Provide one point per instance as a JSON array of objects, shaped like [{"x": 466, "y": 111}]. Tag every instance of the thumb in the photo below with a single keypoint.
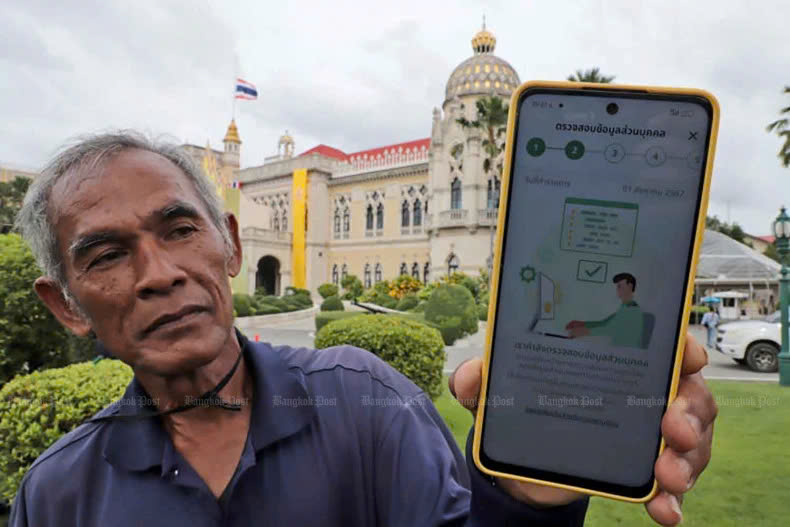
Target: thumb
[{"x": 465, "y": 383}]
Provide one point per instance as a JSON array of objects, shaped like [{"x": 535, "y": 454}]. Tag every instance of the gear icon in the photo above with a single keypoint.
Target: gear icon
[{"x": 528, "y": 274}]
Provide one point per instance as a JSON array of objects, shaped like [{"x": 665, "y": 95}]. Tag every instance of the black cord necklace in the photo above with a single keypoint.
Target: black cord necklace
[{"x": 209, "y": 399}]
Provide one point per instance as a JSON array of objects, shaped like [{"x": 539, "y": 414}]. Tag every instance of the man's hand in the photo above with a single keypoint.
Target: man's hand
[{"x": 687, "y": 428}]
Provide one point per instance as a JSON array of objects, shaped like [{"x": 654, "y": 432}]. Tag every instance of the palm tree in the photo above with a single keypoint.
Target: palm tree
[
  {"x": 782, "y": 129},
  {"x": 591, "y": 75},
  {"x": 491, "y": 119}
]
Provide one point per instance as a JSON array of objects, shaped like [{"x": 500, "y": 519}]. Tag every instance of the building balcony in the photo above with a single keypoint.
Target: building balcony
[
  {"x": 487, "y": 217},
  {"x": 453, "y": 218}
]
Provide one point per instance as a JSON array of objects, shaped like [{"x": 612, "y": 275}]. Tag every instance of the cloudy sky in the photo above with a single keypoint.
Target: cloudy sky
[{"x": 357, "y": 75}]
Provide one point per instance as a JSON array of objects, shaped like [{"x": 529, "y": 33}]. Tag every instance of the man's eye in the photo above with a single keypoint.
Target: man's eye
[
  {"x": 183, "y": 231},
  {"x": 107, "y": 257}
]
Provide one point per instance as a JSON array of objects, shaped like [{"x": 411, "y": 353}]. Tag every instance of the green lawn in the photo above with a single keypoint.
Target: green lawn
[{"x": 748, "y": 479}]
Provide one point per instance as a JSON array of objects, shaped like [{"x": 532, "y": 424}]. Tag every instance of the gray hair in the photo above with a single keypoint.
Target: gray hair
[{"x": 91, "y": 153}]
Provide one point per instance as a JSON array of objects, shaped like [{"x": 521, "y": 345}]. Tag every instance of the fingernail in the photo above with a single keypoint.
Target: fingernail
[
  {"x": 673, "y": 503},
  {"x": 685, "y": 466},
  {"x": 690, "y": 484}
]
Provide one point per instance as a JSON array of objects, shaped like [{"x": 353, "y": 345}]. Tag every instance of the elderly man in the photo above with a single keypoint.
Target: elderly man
[{"x": 136, "y": 249}]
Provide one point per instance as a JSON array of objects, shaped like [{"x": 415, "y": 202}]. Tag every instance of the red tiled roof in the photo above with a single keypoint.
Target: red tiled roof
[
  {"x": 329, "y": 151},
  {"x": 767, "y": 238}
]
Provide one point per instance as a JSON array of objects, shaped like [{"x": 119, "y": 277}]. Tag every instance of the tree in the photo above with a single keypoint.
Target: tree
[
  {"x": 772, "y": 253},
  {"x": 733, "y": 230},
  {"x": 492, "y": 120},
  {"x": 591, "y": 75},
  {"x": 11, "y": 195},
  {"x": 30, "y": 337},
  {"x": 782, "y": 129}
]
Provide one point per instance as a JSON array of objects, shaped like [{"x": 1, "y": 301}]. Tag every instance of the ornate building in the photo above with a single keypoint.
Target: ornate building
[{"x": 422, "y": 207}]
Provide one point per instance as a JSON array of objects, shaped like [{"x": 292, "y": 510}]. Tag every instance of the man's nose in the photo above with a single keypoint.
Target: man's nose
[{"x": 157, "y": 272}]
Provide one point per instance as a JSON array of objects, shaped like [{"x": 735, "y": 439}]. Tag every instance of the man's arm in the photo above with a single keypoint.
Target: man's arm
[{"x": 423, "y": 479}]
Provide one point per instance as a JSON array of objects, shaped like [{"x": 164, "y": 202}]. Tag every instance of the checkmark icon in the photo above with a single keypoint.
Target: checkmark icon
[{"x": 594, "y": 271}]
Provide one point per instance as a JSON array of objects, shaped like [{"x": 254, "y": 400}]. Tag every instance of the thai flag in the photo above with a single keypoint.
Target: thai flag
[
  {"x": 235, "y": 184},
  {"x": 246, "y": 90}
]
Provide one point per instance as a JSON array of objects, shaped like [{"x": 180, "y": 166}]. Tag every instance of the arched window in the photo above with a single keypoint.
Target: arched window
[
  {"x": 344, "y": 272},
  {"x": 335, "y": 276},
  {"x": 367, "y": 275},
  {"x": 452, "y": 264},
  {"x": 455, "y": 194},
  {"x": 337, "y": 224},
  {"x": 284, "y": 222},
  {"x": 404, "y": 269},
  {"x": 369, "y": 218},
  {"x": 380, "y": 216},
  {"x": 415, "y": 271},
  {"x": 377, "y": 276},
  {"x": 426, "y": 272},
  {"x": 346, "y": 220},
  {"x": 417, "y": 218},
  {"x": 404, "y": 214},
  {"x": 493, "y": 193},
  {"x": 276, "y": 221}
]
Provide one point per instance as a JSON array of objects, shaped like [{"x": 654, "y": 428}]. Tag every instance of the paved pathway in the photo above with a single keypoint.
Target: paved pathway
[{"x": 302, "y": 333}]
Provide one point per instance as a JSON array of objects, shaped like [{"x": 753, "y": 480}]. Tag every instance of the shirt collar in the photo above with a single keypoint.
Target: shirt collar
[{"x": 281, "y": 407}]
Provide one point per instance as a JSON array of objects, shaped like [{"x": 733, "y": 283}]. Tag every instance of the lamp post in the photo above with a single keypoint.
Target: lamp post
[{"x": 781, "y": 230}]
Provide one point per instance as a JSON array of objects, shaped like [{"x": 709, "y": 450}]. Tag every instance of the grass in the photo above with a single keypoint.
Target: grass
[{"x": 748, "y": 479}]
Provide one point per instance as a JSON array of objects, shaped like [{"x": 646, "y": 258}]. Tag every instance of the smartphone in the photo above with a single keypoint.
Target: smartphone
[{"x": 604, "y": 193}]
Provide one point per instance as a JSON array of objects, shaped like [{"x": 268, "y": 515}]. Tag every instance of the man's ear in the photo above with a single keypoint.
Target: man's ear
[
  {"x": 66, "y": 313},
  {"x": 234, "y": 260}
]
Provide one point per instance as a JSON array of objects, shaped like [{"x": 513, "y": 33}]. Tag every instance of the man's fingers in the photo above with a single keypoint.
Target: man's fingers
[
  {"x": 665, "y": 509},
  {"x": 465, "y": 383},
  {"x": 689, "y": 415},
  {"x": 694, "y": 357}
]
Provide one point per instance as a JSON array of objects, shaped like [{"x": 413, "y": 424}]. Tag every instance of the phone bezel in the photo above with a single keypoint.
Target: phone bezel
[{"x": 638, "y": 492}]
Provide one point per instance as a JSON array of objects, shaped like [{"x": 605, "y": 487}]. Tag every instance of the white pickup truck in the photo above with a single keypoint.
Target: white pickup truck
[{"x": 755, "y": 343}]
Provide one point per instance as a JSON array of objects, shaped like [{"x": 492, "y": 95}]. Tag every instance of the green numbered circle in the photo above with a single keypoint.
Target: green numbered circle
[
  {"x": 536, "y": 146},
  {"x": 574, "y": 150}
]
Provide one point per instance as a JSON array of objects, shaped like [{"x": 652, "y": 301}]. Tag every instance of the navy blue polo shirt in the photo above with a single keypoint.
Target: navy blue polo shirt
[{"x": 337, "y": 437}]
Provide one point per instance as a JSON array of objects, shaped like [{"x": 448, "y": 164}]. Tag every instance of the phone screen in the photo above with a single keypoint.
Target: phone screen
[{"x": 604, "y": 194}]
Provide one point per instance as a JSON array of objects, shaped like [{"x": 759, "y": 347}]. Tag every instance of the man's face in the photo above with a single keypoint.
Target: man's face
[
  {"x": 145, "y": 262},
  {"x": 625, "y": 291}
]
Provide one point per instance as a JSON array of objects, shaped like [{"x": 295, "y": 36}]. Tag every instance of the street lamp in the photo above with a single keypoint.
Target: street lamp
[{"x": 781, "y": 230}]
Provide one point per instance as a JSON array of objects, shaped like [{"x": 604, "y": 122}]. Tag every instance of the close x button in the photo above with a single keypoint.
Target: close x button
[{"x": 692, "y": 135}]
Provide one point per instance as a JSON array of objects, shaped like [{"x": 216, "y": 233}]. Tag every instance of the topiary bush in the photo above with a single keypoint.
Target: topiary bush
[
  {"x": 414, "y": 349},
  {"x": 482, "y": 312},
  {"x": 407, "y": 302},
  {"x": 352, "y": 287},
  {"x": 37, "y": 409},
  {"x": 325, "y": 317},
  {"x": 332, "y": 303},
  {"x": 452, "y": 308},
  {"x": 295, "y": 291},
  {"x": 420, "y": 307},
  {"x": 243, "y": 304},
  {"x": 327, "y": 290}
]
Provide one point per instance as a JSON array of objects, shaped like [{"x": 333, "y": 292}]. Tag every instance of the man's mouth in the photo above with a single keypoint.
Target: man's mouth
[{"x": 183, "y": 315}]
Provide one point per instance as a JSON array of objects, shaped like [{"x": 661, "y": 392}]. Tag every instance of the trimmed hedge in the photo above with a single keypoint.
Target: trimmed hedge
[
  {"x": 407, "y": 302},
  {"x": 37, "y": 409},
  {"x": 325, "y": 317},
  {"x": 332, "y": 303},
  {"x": 412, "y": 348},
  {"x": 243, "y": 304},
  {"x": 452, "y": 307},
  {"x": 327, "y": 290}
]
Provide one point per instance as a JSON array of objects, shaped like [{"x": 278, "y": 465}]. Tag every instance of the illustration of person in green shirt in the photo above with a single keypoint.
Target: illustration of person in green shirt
[{"x": 626, "y": 326}]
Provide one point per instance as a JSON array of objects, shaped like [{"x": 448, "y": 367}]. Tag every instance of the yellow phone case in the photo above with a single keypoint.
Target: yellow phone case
[{"x": 506, "y": 176}]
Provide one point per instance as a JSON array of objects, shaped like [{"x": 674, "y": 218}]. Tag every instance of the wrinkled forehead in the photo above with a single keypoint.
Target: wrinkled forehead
[{"x": 126, "y": 184}]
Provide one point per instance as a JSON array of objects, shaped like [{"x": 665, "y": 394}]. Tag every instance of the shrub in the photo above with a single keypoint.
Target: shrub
[
  {"x": 275, "y": 302},
  {"x": 412, "y": 348},
  {"x": 426, "y": 292},
  {"x": 420, "y": 307},
  {"x": 352, "y": 287},
  {"x": 30, "y": 337},
  {"x": 267, "y": 309},
  {"x": 459, "y": 278},
  {"x": 407, "y": 302},
  {"x": 452, "y": 307},
  {"x": 243, "y": 304},
  {"x": 37, "y": 409},
  {"x": 482, "y": 312},
  {"x": 332, "y": 303},
  {"x": 295, "y": 291},
  {"x": 327, "y": 290},
  {"x": 404, "y": 285},
  {"x": 325, "y": 317},
  {"x": 383, "y": 300}
]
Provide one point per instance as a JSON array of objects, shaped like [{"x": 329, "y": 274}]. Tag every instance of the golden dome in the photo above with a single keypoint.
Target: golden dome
[
  {"x": 484, "y": 41},
  {"x": 232, "y": 135}
]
